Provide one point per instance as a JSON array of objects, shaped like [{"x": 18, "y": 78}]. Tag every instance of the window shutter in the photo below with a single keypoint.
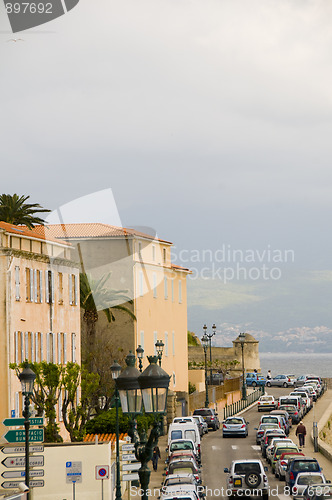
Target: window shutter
[
  {"x": 165, "y": 288},
  {"x": 17, "y": 283},
  {"x": 35, "y": 283},
  {"x": 54, "y": 348},
  {"x": 41, "y": 347},
  {"x": 59, "y": 348},
  {"x": 36, "y": 348},
  {"x": 166, "y": 343},
  {"x": 26, "y": 337},
  {"x": 73, "y": 347},
  {"x": 173, "y": 343},
  {"x": 41, "y": 285},
  {"x": 31, "y": 285},
  {"x": 65, "y": 348},
  {"x": 48, "y": 347},
  {"x": 154, "y": 285},
  {"x": 142, "y": 338},
  {"x": 172, "y": 284},
  {"x": 47, "y": 294},
  {"x": 32, "y": 348},
  {"x": 22, "y": 346},
  {"x": 60, "y": 406},
  {"x": 155, "y": 335},
  {"x": 52, "y": 291},
  {"x": 17, "y": 404},
  {"x": 76, "y": 289},
  {"x": 70, "y": 289},
  {"x": 16, "y": 347}
]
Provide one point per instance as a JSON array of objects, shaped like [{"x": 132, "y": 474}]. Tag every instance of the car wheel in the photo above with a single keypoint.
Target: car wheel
[
  {"x": 254, "y": 384},
  {"x": 285, "y": 384},
  {"x": 252, "y": 479},
  {"x": 268, "y": 384},
  {"x": 280, "y": 477}
]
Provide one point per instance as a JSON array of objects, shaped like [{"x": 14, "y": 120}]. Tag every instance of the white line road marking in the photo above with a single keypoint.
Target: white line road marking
[
  {"x": 214, "y": 448},
  {"x": 281, "y": 496},
  {"x": 234, "y": 447},
  {"x": 255, "y": 447}
]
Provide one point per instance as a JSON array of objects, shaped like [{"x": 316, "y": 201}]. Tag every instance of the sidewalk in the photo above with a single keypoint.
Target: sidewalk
[
  {"x": 316, "y": 415},
  {"x": 157, "y": 477}
]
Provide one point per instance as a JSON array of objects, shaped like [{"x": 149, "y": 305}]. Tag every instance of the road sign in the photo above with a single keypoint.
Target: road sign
[
  {"x": 102, "y": 471},
  {"x": 21, "y": 473},
  {"x": 15, "y": 484},
  {"x": 73, "y": 472},
  {"x": 11, "y": 422},
  {"x": 128, "y": 456},
  {"x": 19, "y": 436},
  {"x": 133, "y": 466},
  {"x": 130, "y": 477},
  {"x": 128, "y": 447},
  {"x": 34, "y": 461},
  {"x": 37, "y": 448}
]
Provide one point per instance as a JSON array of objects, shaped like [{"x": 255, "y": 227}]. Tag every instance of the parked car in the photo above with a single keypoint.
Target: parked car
[
  {"x": 306, "y": 396},
  {"x": 267, "y": 437},
  {"x": 179, "y": 485},
  {"x": 292, "y": 411},
  {"x": 183, "y": 431},
  {"x": 286, "y": 416},
  {"x": 303, "y": 479},
  {"x": 254, "y": 379},
  {"x": 318, "y": 492},
  {"x": 281, "y": 381},
  {"x": 279, "y": 450},
  {"x": 262, "y": 427},
  {"x": 292, "y": 400},
  {"x": 235, "y": 426},
  {"x": 305, "y": 399},
  {"x": 202, "y": 425},
  {"x": 210, "y": 417},
  {"x": 300, "y": 380},
  {"x": 189, "y": 495},
  {"x": 182, "y": 445},
  {"x": 244, "y": 475},
  {"x": 312, "y": 391},
  {"x": 183, "y": 466},
  {"x": 301, "y": 464},
  {"x": 266, "y": 403},
  {"x": 273, "y": 444},
  {"x": 281, "y": 465},
  {"x": 273, "y": 419}
]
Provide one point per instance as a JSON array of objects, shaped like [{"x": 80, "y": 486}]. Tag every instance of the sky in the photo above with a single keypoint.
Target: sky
[{"x": 209, "y": 122}]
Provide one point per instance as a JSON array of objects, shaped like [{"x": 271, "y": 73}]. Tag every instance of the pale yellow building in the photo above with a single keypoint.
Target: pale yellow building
[
  {"x": 39, "y": 307},
  {"x": 141, "y": 266}
]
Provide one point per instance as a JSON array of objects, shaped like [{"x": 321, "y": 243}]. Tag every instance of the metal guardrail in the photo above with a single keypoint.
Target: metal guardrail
[{"x": 243, "y": 403}]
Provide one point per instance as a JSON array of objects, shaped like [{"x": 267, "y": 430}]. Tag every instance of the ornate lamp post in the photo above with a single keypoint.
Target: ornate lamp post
[
  {"x": 27, "y": 378},
  {"x": 209, "y": 336},
  {"x": 116, "y": 370},
  {"x": 159, "y": 348},
  {"x": 205, "y": 344},
  {"x": 242, "y": 338},
  {"x": 152, "y": 387},
  {"x": 140, "y": 354}
]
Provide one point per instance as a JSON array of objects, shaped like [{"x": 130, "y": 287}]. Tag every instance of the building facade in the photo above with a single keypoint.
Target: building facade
[{"x": 39, "y": 303}]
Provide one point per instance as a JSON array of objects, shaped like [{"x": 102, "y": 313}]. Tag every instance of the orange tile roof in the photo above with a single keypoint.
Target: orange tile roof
[
  {"x": 104, "y": 437},
  {"x": 174, "y": 266},
  {"x": 93, "y": 230},
  {"x": 36, "y": 232}
]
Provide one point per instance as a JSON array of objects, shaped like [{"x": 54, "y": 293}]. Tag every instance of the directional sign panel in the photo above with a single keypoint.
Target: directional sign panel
[
  {"x": 128, "y": 447},
  {"x": 73, "y": 472},
  {"x": 130, "y": 477},
  {"x": 133, "y": 466},
  {"x": 21, "y": 473},
  {"x": 128, "y": 456},
  {"x": 37, "y": 448},
  {"x": 11, "y": 422},
  {"x": 19, "y": 436},
  {"x": 34, "y": 461}
]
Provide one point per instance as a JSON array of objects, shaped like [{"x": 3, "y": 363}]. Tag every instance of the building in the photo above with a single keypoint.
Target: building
[
  {"x": 39, "y": 303},
  {"x": 141, "y": 266}
]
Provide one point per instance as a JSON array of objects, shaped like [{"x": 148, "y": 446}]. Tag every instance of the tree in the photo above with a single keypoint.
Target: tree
[
  {"x": 15, "y": 210},
  {"x": 95, "y": 296},
  {"x": 193, "y": 339}
]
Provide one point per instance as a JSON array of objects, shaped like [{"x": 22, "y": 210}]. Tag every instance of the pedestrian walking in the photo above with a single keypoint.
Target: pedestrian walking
[
  {"x": 301, "y": 432},
  {"x": 269, "y": 376},
  {"x": 155, "y": 457}
]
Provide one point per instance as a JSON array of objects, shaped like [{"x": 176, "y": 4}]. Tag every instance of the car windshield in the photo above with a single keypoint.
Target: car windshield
[
  {"x": 246, "y": 467},
  {"x": 288, "y": 408},
  {"x": 183, "y": 445},
  {"x": 280, "y": 451},
  {"x": 271, "y": 420},
  {"x": 312, "y": 479},
  {"x": 266, "y": 398},
  {"x": 234, "y": 421},
  {"x": 204, "y": 413},
  {"x": 306, "y": 466},
  {"x": 178, "y": 480},
  {"x": 268, "y": 425}
]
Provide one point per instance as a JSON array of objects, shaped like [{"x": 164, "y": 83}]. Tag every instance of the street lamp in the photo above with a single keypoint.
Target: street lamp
[
  {"x": 159, "y": 348},
  {"x": 242, "y": 339},
  {"x": 152, "y": 387},
  {"x": 116, "y": 370},
  {"x": 140, "y": 354},
  {"x": 209, "y": 336},
  {"x": 27, "y": 378},
  {"x": 205, "y": 344}
]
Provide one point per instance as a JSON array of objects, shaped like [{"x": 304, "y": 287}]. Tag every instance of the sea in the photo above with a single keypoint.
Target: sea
[{"x": 296, "y": 363}]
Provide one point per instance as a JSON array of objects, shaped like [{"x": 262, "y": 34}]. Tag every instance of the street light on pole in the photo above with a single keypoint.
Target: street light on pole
[
  {"x": 116, "y": 370},
  {"x": 27, "y": 378},
  {"x": 159, "y": 348},
  {"x": 205, "y": 344},
  {"x": 140, "y": 354},
  {"x": 209, "y": 336},
  {"x": 242, "y": 338}
]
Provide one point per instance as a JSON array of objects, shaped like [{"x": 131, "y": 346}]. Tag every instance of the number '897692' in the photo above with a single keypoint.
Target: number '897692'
[{"x": 29, "y": 8}]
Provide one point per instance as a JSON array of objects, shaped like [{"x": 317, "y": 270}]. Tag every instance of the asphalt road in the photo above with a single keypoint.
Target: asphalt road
[{"x": 217, "y": 453}]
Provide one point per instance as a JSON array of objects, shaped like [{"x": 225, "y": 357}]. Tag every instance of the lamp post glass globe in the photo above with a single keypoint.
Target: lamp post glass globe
[
  {"x": 205, "y": 342},
  {"x": 140, "y": 352},
  {"x": 27, "y": 378},
  {"x": 154, "y": 382},
  {"x": 128, "y": 387},
  {"x": 115, "y": 370}
]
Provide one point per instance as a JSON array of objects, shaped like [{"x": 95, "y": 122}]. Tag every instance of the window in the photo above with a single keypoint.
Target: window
[
  {"x": 180, "y": 292},
  {"x": 38, "y": 347},
  {"x": 142, "y": 338},
  {"x": 29, "y": 354},
  {"x": 60, "y": 288},
  {"x": 73, "y": 291},
  {"x": 17, "y": 404},
  {"x": 140, "y": 283},
  {"x": 166, "y": 343},
  {"x": 17, "y": 283},
  {"x": 153, "y": 252},
  {"x": 154, "y": 280},
  {"x": 139, "y": 251},
  {"x": 16, "y": 347},
  {"x": 49, "y": 287},
  {"x": 60, "y": 406},
  {"x": 155, "y": 338},
  {"x": 29, "y": 284},
  {"x": 38, "y": 286},
  {"x": 50, "y": 348},
  {"x": 173, "y": 379},
  {"x": 173, "y": 343},
  {"x": 165, "y": 288},
  {"x": 65, "y": 348},
  {"x": 60, "y": 348},
  {"x": 164, "y": 255},
  {"x": 172, "y": 287},
  {"x": 73, "y": 347}
]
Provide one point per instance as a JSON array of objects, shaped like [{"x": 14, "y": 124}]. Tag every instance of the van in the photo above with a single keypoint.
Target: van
[
  {"x": 292, "y": 400},
  {"x": 185, "y": 430}
]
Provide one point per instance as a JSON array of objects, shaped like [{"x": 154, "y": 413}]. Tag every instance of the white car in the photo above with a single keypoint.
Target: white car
[
  {"x": 244, "y": 475},
  {"x": 270, "y": 448},
  {"x": 201, "y": 422},
  {"x": 303, "y": 479},
  {"x": 266, "y": 403}
]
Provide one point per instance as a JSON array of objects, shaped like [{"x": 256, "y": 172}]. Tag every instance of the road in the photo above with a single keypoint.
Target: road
[{"x": 217, "y": 453}]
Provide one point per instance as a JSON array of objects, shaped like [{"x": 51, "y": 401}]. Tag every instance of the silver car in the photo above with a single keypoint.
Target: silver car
[
  {"x": 281, "y": 381},
  {"x": 233, "y": 426}
]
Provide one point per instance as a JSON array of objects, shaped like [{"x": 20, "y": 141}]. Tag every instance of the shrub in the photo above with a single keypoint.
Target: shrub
[
  {"x": 105, "y": 422},
  {"x": 192, "y": 388}
]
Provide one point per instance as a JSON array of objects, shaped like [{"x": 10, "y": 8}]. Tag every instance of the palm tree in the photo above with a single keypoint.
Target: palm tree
[
  {"x": 94, "y": 297},
  {"x": 15, "y": 210}
]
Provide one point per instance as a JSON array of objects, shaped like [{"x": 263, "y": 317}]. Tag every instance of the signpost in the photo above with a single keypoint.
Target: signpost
[
  {"x": 21, "y": 473},
  {"x": 102, "y": 472},
  {"x": 12, "y": 422},
  {"x": 18, "y": 436},
  {"x": 37, "y": 448},
  {"x": 73, "y": 474},
  {"x": 34, "y": 461}
]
